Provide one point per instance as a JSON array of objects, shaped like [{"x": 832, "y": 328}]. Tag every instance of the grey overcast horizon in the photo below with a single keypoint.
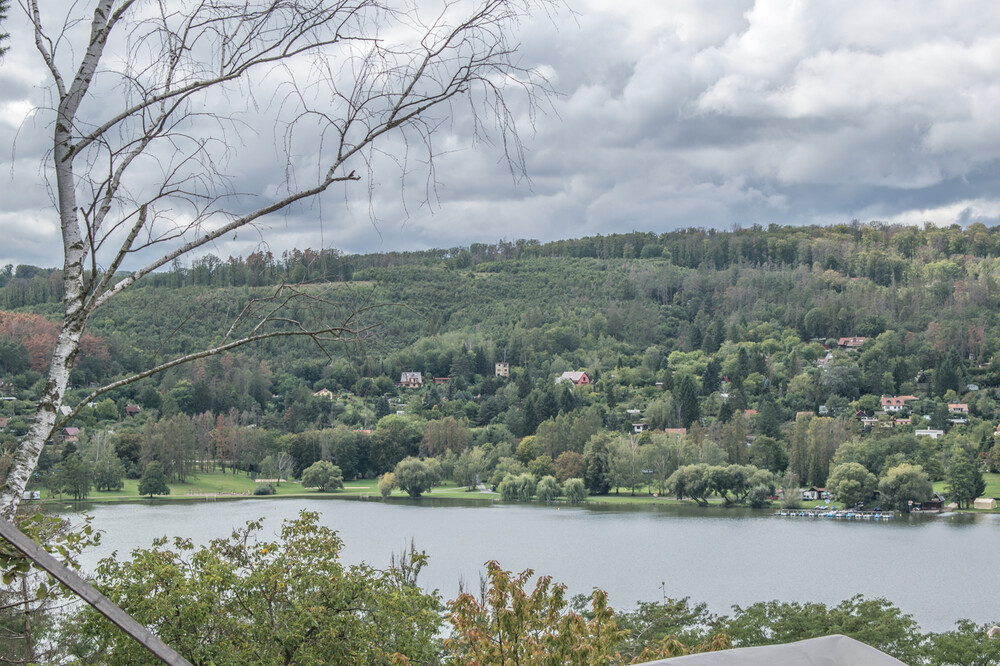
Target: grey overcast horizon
[{"x": 668, "y": 115}]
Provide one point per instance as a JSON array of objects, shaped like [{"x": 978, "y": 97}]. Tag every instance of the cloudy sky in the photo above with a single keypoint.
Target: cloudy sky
[{"x": 667, "y": 115}]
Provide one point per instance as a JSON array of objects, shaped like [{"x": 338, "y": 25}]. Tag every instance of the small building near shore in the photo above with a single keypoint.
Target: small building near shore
[
  {"x": 935, "y": 503},
  {"x": 984, "y": 503},
  {"x": 814, "y": 493}
]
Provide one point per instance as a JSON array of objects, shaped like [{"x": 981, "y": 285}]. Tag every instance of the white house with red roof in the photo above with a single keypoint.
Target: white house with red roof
[{"x": 896, "y": 403}]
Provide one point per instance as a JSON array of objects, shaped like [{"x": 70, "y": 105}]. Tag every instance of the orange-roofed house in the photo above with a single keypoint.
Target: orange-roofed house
[{"x": 896, "y": 403}]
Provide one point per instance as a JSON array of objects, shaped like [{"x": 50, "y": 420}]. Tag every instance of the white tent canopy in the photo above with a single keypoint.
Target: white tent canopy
[{"x": 833, "y": 650}]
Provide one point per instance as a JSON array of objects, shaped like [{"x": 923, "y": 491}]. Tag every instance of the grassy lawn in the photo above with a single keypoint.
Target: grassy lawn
[
  {"x": 992, "y": 485},
  {"x": 624, "y": 497},
  {"x": 218, "y": 483},
  {"x": 448, "y": 489},
  {"x": 206, "y": 483},
  {"x": 360, "y": 487}
]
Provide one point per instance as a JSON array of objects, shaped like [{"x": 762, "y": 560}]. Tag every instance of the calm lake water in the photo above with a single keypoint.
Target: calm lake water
[{"x": 937, "y": 568}]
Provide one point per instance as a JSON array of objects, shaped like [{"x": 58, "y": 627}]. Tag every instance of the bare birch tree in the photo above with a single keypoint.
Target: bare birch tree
[{"x": 145, "y": 90}]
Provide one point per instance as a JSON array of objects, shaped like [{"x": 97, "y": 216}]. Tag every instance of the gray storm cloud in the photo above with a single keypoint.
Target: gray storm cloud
[{"x": 674, "y": 115}]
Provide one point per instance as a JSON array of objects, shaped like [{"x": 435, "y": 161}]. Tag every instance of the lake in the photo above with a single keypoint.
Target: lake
[{"x": 936, "y": 568}]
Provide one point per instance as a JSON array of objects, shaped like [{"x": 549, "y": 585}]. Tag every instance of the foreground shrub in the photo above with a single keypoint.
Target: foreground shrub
[{"x": 245, "y": 601}]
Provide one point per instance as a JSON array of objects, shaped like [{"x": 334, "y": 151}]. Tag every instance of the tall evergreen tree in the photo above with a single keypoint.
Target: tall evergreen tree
[
  {"x": 946, "y": 374},
  {"x": 710, "y": 379},
  {"x": 596, "y": 469},
  {"x": 964, "y": 477},
  {"x": 769, "y": 419},
  {"x": 742, "y": 367},
  {"x": 687, "y": 401}
]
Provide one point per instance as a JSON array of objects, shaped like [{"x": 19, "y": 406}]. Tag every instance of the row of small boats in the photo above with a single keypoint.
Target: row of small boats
[{"x": 844, "y": 514}]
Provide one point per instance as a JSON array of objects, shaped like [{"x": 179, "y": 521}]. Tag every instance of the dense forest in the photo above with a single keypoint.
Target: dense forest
[
  {"x": 741, "y": 367},
  {"x": 756, "y": 349}
]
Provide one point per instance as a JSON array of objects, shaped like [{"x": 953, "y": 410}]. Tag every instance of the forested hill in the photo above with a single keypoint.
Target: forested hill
[
  {"x": 876, "y": 251},
  {"x": 682, "y": 329}
]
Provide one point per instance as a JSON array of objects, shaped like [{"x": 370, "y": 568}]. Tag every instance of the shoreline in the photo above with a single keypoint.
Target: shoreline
[
  {"x": 213, "y": 486},
  {"x": 460, "y": 498}
]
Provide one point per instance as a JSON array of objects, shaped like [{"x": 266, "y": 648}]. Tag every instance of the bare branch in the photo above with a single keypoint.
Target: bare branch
[
  {"x": 244, "y": 41},
  {"x": 209, "y": 237},
  {"x": 147, "y": 182}
]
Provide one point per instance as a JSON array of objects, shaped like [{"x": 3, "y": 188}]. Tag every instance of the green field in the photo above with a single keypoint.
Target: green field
[
  {"x": 197, "y": 486},
  {"x": 219, "y": 484},
  {"x": 992, "y": 486},
  {"x": 223, "y": 485}
]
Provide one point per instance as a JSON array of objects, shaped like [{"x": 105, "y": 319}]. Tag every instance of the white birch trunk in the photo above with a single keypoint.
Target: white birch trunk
[
  {"x": 74, "y": 319},
  {"x": 447, "y": 60}
]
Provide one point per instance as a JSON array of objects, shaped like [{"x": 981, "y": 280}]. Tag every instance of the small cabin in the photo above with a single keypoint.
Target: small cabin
[
  {"x": 851, "y": 343},
  {"x": 578, "y": 378},
  {"x": 814, "y": 493},
  {"x": 411, "y": 380}
]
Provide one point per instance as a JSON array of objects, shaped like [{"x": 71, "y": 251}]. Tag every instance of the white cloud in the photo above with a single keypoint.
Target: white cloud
[
  {"x": 959, "y": 212},
  {"x": 669, "y": 114},
  {"x": 14, "y": 113}
]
